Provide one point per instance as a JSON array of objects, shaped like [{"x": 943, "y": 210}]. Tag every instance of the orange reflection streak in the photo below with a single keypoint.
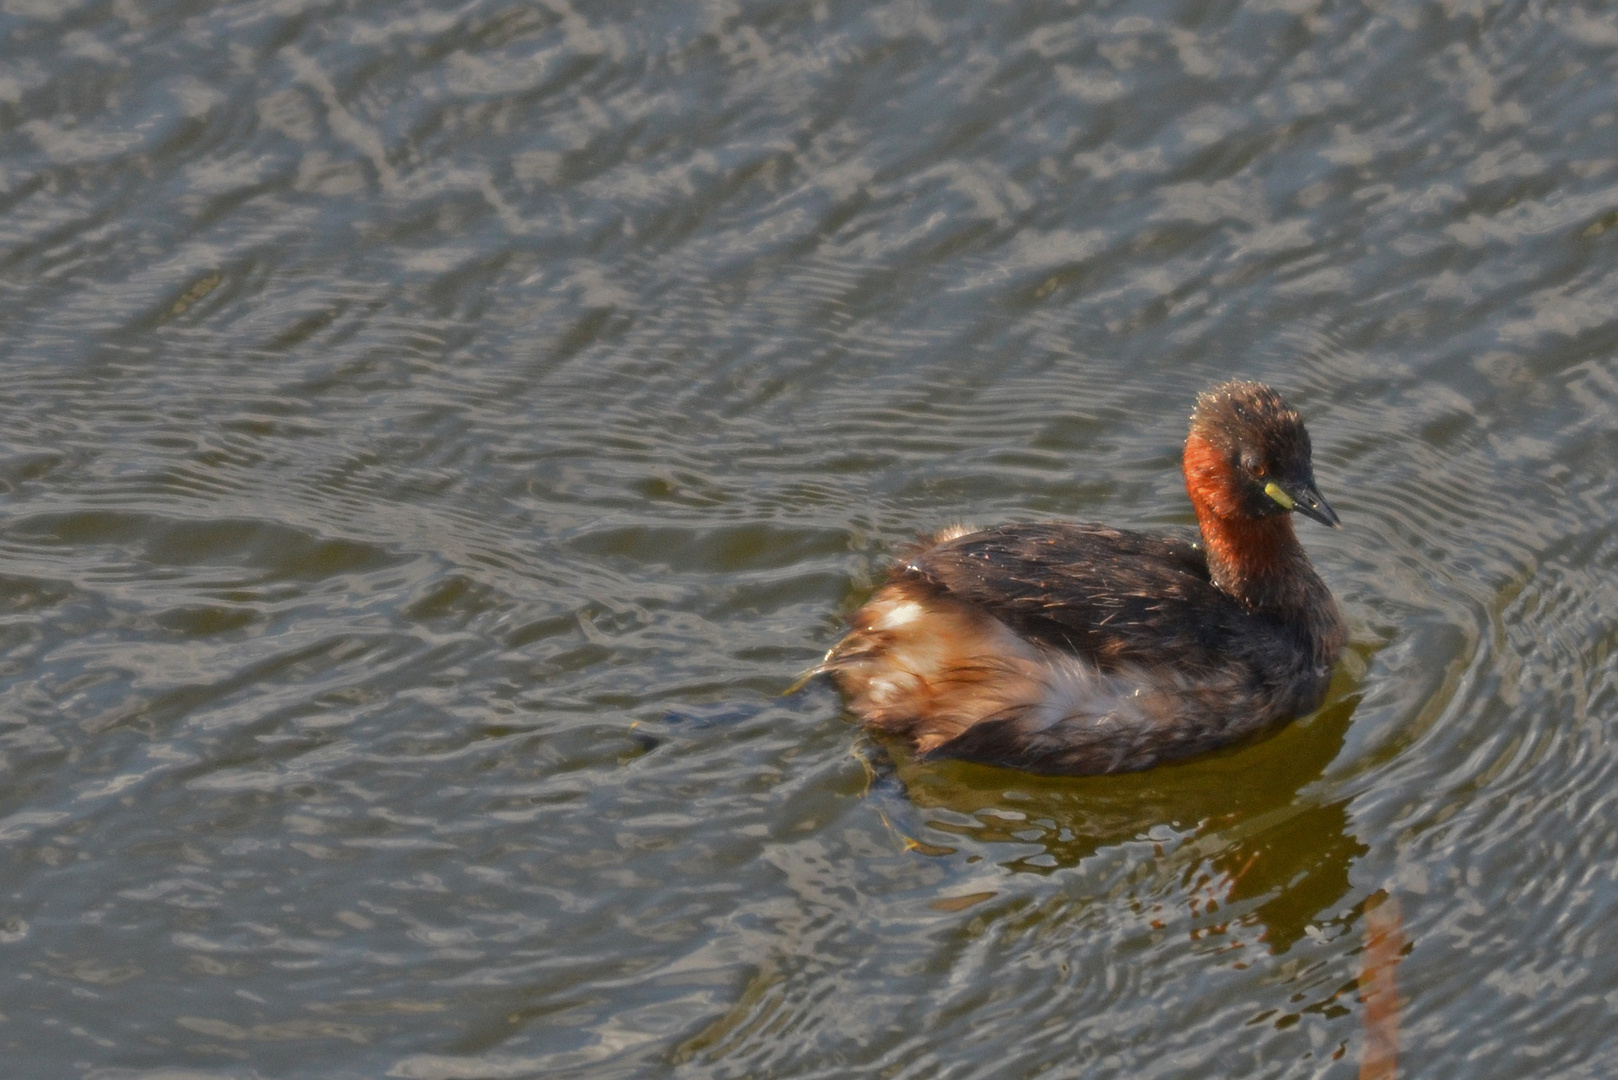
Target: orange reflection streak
[{"x": 1384, "y": 941}]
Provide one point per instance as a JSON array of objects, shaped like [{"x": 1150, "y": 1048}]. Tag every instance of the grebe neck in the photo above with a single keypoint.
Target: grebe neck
[{"x": 1258, "y": 560}]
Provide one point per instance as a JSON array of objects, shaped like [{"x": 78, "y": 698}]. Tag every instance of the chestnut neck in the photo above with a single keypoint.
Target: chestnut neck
[{"x": 1258, "y": 560}]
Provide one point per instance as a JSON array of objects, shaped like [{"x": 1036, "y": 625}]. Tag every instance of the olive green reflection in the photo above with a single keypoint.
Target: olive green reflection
[{"x": 1247, "y": 810}]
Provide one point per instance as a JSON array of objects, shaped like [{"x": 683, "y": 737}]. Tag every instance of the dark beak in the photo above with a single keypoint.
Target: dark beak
[{"x": 1307, "y": 500}]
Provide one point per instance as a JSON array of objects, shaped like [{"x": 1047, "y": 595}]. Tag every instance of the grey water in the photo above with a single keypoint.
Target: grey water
[{"x": 434, "y": 434}]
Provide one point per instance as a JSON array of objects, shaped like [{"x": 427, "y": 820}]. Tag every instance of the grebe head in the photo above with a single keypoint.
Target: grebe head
[{"x": 1248, "y": 456}]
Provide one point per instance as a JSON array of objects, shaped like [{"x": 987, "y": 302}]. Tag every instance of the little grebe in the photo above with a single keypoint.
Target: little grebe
[{"x": 1077, "y": 649}]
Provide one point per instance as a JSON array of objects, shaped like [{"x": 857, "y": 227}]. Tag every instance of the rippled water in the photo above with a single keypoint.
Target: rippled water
[{"x": 435, "y": 434}]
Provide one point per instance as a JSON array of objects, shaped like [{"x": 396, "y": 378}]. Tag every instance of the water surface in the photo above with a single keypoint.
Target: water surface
[{"x": 433, "y": 435}]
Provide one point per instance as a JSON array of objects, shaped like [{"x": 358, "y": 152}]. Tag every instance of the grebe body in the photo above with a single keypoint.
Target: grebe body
[{"x": 1075, "y": 649}]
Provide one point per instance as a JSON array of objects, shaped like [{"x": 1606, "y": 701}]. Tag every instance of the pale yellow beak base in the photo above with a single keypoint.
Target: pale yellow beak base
[{"x": 1273, "y": 490}]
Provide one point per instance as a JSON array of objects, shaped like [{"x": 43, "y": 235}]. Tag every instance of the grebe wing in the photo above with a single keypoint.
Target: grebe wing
[{"x": 1108, "y": 594}]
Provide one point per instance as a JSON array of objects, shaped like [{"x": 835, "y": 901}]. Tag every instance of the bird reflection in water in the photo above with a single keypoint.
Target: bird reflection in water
[
  {"x": 1242, "y": 820},
  {"x": 1249, "y": 855}
]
